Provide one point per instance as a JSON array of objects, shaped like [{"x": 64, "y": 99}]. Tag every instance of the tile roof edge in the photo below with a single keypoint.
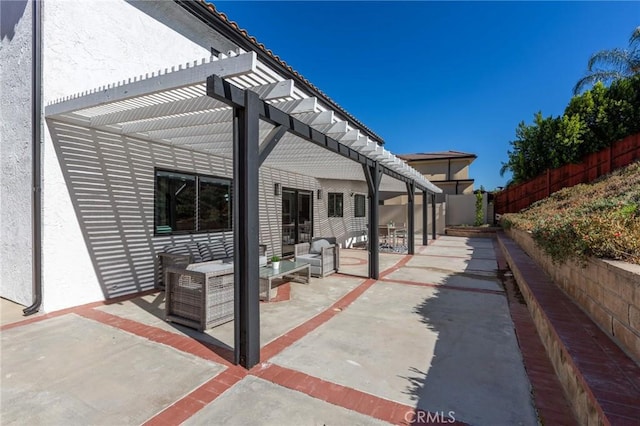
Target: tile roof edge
[{"x": 210, "y": 7}]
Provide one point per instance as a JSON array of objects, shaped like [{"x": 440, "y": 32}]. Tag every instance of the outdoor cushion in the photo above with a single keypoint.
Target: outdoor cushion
[
  {"x": 185, "y": 249},
  {"x": 213, "y": 250},
  {"x": 318, "y": 245},
  {"x": 206, "y": 267},
  {"x": 191, "y": 266},
  {"x": 228, "y": 246},
  {"x": 312, "y": 259}
]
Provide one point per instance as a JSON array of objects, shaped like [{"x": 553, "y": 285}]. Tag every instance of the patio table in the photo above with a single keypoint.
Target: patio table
[{"x": 298, "y": 271}]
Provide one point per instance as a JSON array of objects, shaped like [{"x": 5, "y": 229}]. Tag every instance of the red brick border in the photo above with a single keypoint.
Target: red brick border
[
  {"x": 182, "y": 343},
  {"x": 549, "y": 398},
  {"x": 184, "y": 408},
  {"x": 75, "y": 309},
  {"x": 342, "y": 396},
  {"x": 603, "y": 381},
  {"x": 279, "y": 344}
]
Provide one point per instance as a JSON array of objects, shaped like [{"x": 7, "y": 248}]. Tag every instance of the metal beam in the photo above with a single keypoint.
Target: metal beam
[
  {"x": 246, "y": 156},
  {"x": 411, "y": 192},
  {"x": 425, "y": 221},
  {"x": 220, "y": 89},
  {"x": 373, "y": 176},
  {"x": 433, "y": 215}
]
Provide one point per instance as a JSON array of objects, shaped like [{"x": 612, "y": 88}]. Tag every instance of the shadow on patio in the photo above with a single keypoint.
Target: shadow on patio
[{"x": 476, "y": 373}]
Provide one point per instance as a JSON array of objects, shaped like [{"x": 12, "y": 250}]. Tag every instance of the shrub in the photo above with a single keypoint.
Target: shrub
[{"x": 479, "y": 215}]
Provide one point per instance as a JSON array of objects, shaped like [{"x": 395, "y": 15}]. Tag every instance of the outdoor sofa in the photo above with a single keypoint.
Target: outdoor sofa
[
  {"x": 322, "y": 255},
  {"x": 182, "y": 255}
]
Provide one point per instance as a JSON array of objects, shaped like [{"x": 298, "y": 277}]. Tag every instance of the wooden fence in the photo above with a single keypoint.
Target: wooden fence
[{"x": 517, "y": 197}]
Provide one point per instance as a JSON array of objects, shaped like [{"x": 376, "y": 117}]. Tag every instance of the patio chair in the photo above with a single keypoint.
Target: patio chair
[{"x": 322, "y": 255}]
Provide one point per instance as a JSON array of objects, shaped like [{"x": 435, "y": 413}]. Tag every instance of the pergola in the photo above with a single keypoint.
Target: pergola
[{"x": 236, "y": 107}]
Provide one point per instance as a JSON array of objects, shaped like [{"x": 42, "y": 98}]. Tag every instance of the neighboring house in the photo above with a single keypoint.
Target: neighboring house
[
  {"x": 448, "y": 170},
  {"x": 115, "y": 143}
]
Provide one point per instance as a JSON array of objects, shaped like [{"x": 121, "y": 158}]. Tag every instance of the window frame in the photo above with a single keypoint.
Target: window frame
[
  {"x": 331, "y": 204},
  {"x": 197, "y": 182}
]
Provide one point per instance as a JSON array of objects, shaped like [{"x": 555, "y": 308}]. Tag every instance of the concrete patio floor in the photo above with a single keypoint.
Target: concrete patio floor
[{"x": 434, "y": 334}]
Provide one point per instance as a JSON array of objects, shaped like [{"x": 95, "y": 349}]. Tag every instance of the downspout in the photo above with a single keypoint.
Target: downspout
[{"x": 36, "y": 122}]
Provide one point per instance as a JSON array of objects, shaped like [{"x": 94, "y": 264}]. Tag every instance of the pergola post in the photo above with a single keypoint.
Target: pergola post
[
  {"x": 246, "y": 159},
  {"x": 373, "y": 176},
  {"x": 433, "y": 215},
  {"x": 425, "y": 220},
  {"x": 411, "y": 192}
]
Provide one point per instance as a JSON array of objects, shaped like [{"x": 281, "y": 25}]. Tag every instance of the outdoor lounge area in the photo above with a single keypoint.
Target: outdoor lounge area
[
  {"x": 319, "y": 361},
  {"x": 292, "y": 300},
  {"x": 200, "y": 294}
]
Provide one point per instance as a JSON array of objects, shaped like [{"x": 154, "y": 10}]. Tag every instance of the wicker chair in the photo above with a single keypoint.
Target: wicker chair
[{"x": 323, "y": 258}]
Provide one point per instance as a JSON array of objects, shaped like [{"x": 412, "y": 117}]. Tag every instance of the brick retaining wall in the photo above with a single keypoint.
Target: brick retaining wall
[{"x": 608, "y": 291}]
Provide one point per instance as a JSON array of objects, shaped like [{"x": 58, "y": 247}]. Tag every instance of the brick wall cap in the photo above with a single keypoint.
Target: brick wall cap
[{"x": 628, "y": 270}]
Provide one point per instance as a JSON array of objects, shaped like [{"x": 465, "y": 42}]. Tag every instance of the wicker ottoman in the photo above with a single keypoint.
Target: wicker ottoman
[{"x": 200, "y": 296}]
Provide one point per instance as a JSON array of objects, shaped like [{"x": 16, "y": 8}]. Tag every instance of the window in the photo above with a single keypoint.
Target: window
[
  {"x": 359, "y": 210},
  {"x": 334, "y": 208},
  {"x": 191, "y": 203}
]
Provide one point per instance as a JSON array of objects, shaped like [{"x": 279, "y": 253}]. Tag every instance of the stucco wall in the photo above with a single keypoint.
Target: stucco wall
[
  {"x": 398, "y": 215},
  {"x": 87, "y": 45},
  {"x": 433, "y": 170},
  {"x": 15, "y": 152},
  {"x": 462, "y": 209}
]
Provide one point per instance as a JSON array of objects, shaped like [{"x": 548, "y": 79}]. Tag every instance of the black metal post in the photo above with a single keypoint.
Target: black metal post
[
  {"x": 246, "y": 155},
  {"x": 433, "y": 215},
  {"x": 372, "y": 174},
  {"x": 411, "y": 192},
  {"x": 425, "y": 221}
]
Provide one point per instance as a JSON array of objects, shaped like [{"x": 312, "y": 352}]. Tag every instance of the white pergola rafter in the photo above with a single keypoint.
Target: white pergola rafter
[{"x": 172, "y": 107}]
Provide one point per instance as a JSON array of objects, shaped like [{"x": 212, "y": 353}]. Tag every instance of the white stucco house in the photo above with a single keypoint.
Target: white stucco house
[{"x": 107, "y": 105}]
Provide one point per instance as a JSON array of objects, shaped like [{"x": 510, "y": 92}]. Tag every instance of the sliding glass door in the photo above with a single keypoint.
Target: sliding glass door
[{"x": 297, "y": 218}]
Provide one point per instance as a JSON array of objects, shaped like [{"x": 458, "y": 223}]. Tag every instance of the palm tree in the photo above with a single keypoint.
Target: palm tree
[{"x": 614, "y": 64}]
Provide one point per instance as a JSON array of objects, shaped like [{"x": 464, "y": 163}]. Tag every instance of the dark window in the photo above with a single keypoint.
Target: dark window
[
  {"x": 334, "y": 208},
  {"x": 215, "y": 203},
  {"x": 359, "y": 201},
  {"x": 191, "y": 203}
]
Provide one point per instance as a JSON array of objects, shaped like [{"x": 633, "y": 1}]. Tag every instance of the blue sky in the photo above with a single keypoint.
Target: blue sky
[{"x": 437, "y": 76}]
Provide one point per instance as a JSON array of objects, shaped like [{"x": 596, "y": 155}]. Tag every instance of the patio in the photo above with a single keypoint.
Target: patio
[
  {"x": 220, "y": 126},
  {"x": 433, "y": 334}
]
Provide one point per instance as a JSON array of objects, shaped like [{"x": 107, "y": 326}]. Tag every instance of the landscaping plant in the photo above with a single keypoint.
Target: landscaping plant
[
  {"x": 599, "y": 219},
  {"x": 479, "y": 215}
]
